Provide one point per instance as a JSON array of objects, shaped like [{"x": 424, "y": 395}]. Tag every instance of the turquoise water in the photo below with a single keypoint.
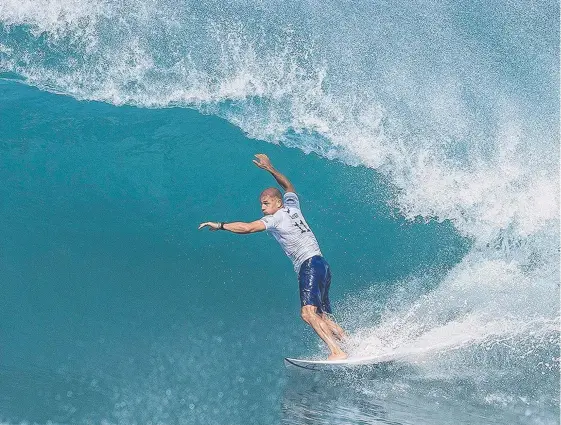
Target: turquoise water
[{"x": 423, "y": 142}]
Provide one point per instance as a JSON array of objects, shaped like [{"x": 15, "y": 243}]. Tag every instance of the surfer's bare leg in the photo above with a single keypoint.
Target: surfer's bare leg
[
  {"x": 320, "y": 326},
  {"x": 337, "y": 330}
]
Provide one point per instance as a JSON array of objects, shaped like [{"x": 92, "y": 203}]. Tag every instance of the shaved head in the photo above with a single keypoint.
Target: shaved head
[
  {"x": 271, "y": 201},
  {"x": 272, "y": 192}
]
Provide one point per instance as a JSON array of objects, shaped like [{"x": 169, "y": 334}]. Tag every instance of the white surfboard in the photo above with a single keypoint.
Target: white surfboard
[{"x": 338, "y": 364}]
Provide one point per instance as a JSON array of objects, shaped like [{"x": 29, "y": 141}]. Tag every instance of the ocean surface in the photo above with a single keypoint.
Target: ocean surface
[{"x": 422, "y": 138}]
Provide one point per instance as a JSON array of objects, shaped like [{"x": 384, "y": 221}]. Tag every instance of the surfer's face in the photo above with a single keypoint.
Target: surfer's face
[{"x": 270, "y": 205}]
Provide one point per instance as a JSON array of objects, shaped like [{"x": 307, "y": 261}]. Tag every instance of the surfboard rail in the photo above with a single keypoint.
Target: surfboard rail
[{"x": 337, "y": 364}]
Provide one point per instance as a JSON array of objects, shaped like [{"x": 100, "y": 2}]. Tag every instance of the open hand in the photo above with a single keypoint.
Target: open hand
[
  {"x": 263, "y": 162},
  {"x": 210, "y": 224}
]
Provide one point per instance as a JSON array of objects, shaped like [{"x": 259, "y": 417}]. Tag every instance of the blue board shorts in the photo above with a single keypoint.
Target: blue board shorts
[{"x": 314, "y": 278}]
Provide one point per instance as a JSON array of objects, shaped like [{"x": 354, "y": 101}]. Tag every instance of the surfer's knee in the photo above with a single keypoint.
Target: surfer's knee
[{"x": 309, "y": 313}]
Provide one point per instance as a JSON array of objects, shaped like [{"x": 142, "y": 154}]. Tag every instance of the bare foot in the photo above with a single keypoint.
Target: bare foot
[{"x": 337, "y": 356}]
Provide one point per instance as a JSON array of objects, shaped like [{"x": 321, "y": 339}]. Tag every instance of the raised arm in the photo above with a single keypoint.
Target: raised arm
[
  {"x": 264, "y": 162},
  {"x": 235, "y": 227}
]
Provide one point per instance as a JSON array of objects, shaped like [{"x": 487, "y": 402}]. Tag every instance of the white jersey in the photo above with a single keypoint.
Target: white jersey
[{"x": 289, "y": 228}]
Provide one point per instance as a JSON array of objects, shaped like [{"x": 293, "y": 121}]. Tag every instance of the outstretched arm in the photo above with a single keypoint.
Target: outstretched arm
[
  {"x": 235, "y": 227},
  {"x": 264, "y": 162}
]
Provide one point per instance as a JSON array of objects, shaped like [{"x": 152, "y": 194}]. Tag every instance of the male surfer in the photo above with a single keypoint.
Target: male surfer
[{"x": 284, "y": 220}]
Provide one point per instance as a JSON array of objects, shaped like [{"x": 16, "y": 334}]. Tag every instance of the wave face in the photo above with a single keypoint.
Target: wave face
[{"x": 455, "y": 104}]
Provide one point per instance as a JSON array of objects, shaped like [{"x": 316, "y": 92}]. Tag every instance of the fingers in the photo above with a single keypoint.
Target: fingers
[
  {"x": 259, "y": 164},
  {"x": 261, "y": 157},
  {"x": 262, "y": 160},
  {"x": 210, "y": 224}
]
